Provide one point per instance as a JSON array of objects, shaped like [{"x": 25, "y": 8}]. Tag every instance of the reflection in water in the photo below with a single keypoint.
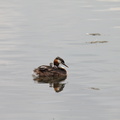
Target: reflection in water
[{"x": 55, "y": 82}]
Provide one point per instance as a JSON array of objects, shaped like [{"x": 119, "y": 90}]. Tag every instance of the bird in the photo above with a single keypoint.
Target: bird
[{"x": 51, "y": 70}]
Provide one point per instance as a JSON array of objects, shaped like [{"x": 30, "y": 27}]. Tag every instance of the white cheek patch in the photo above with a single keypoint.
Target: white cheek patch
[{"x": 59, "y": 61}]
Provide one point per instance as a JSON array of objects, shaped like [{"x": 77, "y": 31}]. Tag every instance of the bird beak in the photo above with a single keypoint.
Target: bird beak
[{"x": 64, "y": 64}]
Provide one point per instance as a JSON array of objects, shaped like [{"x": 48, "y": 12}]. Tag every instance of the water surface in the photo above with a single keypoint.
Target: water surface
[{"x": 34, "y": 33}]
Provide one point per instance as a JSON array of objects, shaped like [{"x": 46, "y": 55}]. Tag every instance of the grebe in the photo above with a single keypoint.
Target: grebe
[{"x": 51, "y": 70}]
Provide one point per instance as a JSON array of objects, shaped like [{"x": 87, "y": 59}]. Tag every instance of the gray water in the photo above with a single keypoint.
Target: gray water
[{"x": 33, "y": 33}]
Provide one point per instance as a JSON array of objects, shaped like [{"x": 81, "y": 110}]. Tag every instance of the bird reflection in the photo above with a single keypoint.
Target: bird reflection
[{"x": 55, "y": 82}]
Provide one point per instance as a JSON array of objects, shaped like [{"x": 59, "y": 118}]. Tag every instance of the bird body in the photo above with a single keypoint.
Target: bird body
[{"x": 50, "y": 70}]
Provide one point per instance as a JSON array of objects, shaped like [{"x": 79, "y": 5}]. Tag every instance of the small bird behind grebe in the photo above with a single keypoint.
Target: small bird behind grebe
[{"x": 53, "y": 70}]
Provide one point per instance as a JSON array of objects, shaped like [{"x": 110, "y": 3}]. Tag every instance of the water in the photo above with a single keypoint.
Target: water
[{"x": 33, "y": 33}]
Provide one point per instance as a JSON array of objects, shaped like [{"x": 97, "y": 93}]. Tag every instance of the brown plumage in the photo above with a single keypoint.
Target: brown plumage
[{"x": 52, "y": 71}]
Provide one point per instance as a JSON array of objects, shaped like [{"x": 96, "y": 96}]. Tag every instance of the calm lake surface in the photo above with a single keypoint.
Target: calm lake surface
[{"x": 33, "y": 33}]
